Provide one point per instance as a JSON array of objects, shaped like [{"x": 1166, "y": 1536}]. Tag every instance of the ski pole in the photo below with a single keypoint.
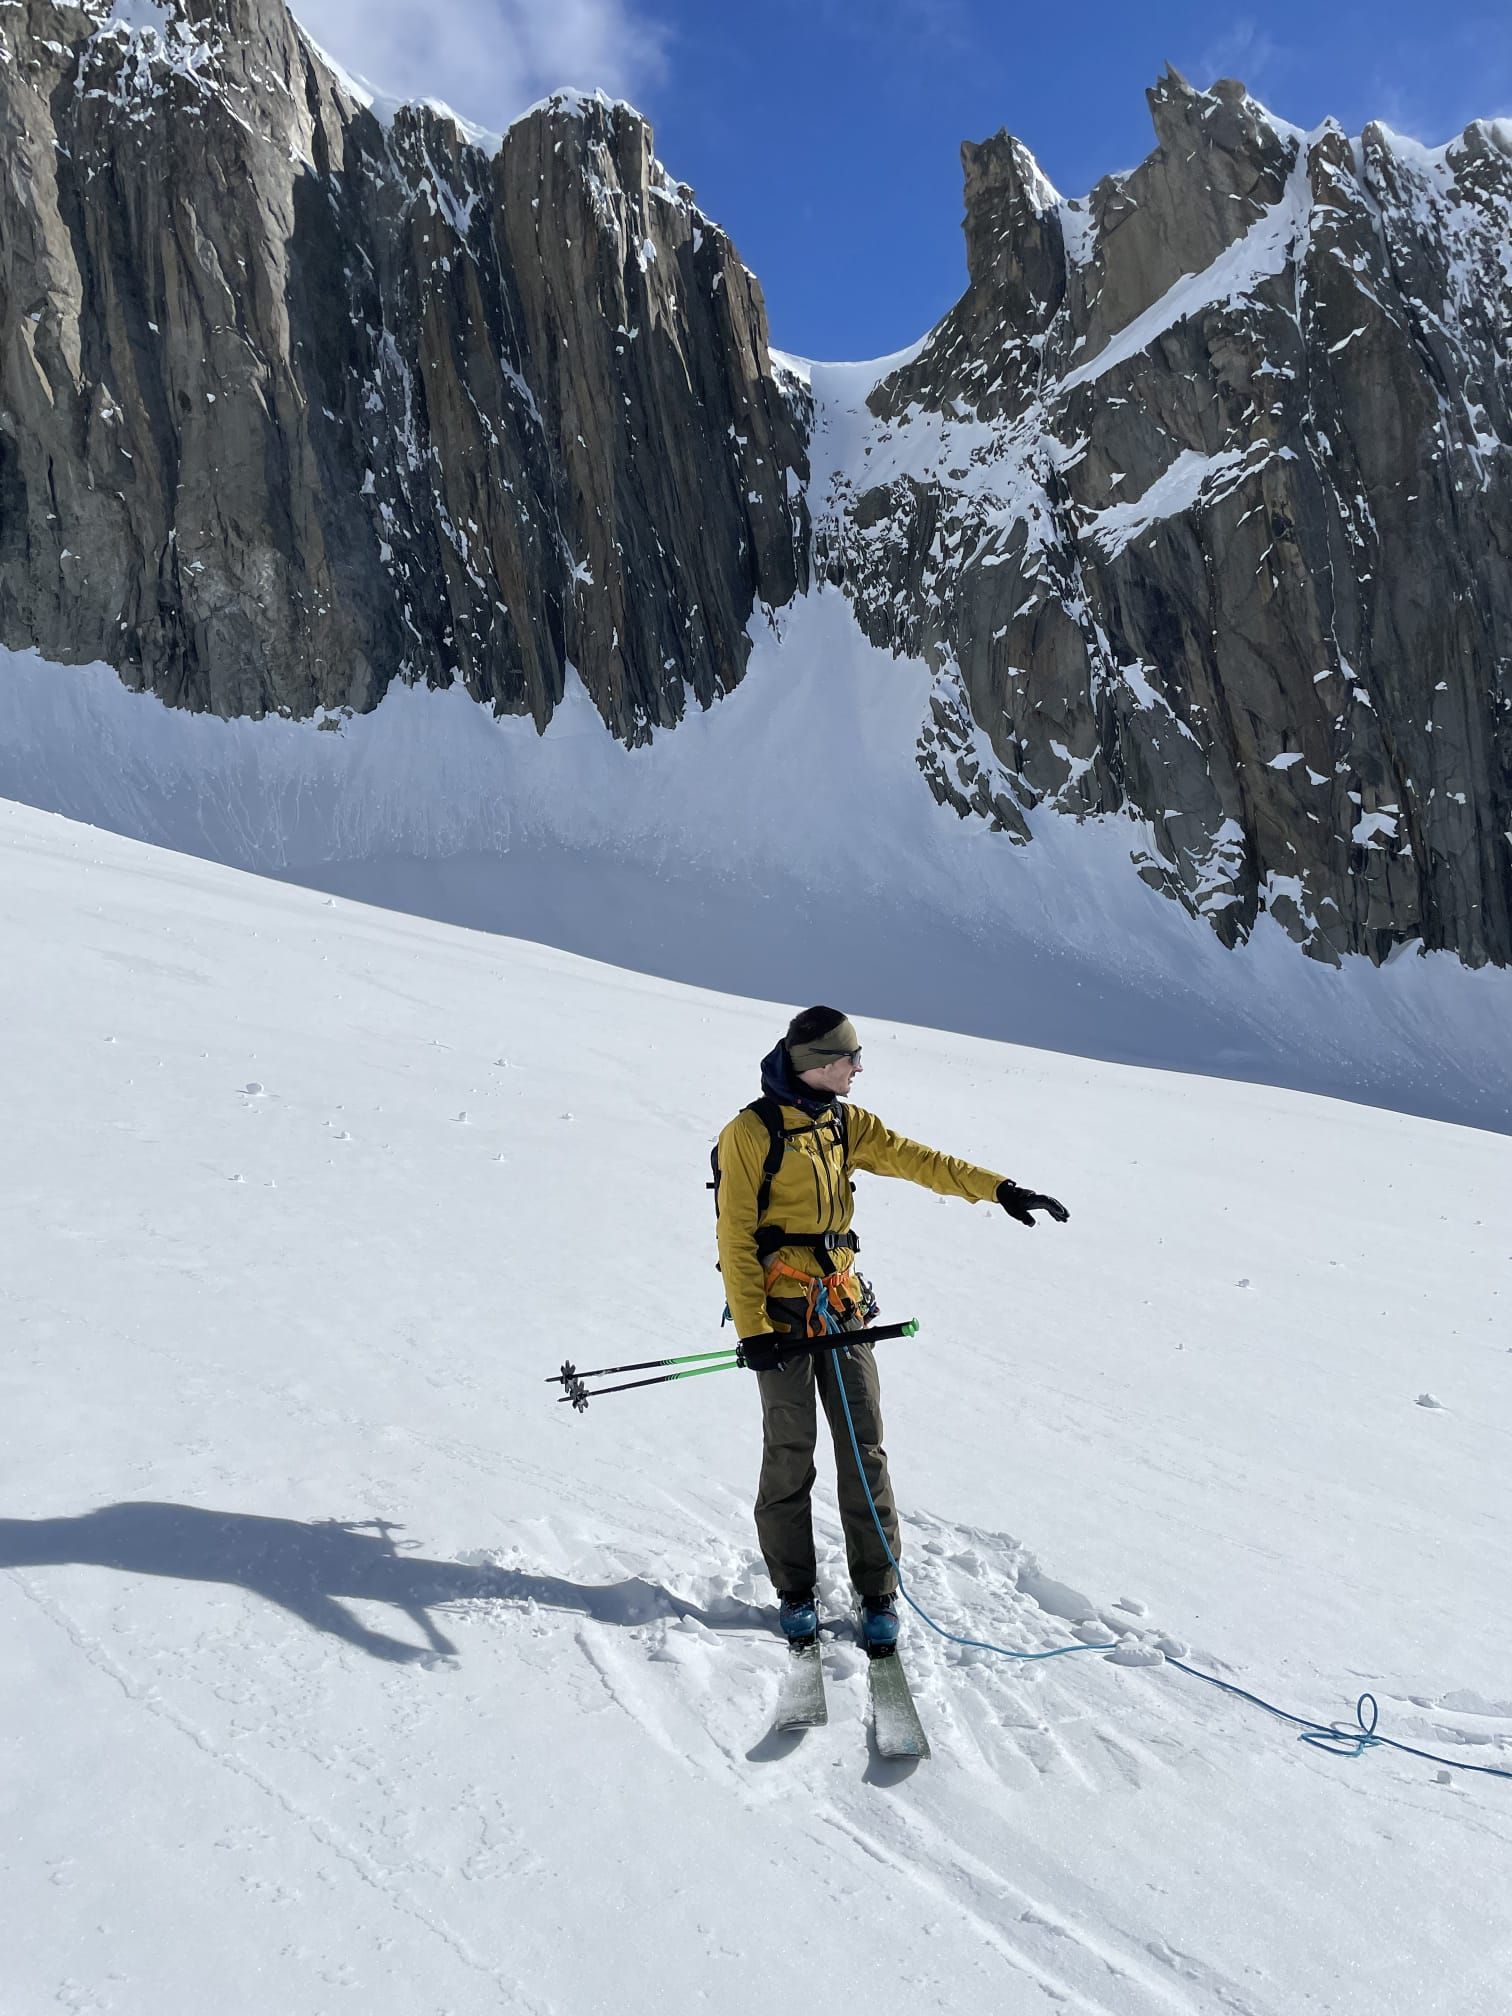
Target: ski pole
[
  {"x": 579, "y": 1394},
  {"x": 836, "y": 1340},
  {"x": 878, "y": 1334},
  {"x": 569, "y": 1372}
]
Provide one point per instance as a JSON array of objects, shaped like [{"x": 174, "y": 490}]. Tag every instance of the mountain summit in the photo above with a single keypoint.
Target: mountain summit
[{"x": 1198, "y": 502}]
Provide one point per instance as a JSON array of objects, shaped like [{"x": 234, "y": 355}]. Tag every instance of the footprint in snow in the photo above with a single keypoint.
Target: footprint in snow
[
  {"x": 1133, "y": 1651},
  {"x": 1462, "y": 1702},
  {"x": 1427, "y": 1400}
]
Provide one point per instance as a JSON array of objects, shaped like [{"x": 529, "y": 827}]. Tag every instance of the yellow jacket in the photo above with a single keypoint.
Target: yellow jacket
[{"x": 812, "y": 1192}]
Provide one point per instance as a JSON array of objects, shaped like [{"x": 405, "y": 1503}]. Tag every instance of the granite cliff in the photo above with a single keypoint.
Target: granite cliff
[
  {"x": 295, "y": 400},
  {"x": 1199, "y": 503}
]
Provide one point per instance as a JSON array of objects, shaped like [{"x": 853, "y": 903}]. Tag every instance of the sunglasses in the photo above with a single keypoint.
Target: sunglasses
[{"x": 854, "y": 1055}]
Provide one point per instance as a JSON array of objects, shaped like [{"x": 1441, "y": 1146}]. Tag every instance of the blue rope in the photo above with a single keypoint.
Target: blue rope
[
  {"x": 976, "y": 1644},
  {"x": 1338, "y": 1741}
]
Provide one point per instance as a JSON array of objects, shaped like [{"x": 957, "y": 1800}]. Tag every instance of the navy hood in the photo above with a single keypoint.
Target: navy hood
[{"x": 780, "y": 1081}]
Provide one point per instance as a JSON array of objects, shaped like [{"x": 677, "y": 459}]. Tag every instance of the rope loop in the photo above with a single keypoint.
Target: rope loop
[{"x": 1342, "y": 1742}]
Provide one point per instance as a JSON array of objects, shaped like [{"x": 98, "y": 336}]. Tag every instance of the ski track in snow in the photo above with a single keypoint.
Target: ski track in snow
[
  {"x": 365, "y": 1866},
  {"x": 1030, "y": 1717},
  {"x": 1031, "y": 1936}
]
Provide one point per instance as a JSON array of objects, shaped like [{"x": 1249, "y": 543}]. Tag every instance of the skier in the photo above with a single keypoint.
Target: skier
[{"x": 786, "y": 1252}]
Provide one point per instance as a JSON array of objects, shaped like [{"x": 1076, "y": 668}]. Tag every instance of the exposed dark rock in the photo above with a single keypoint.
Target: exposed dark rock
[
  {"x": 1199, "y": 501},
  {"x": 293, "y": 402}
]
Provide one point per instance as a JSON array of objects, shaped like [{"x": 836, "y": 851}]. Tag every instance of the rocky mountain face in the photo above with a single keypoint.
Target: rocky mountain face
[
  {"x": 1199, "y": 503},
  {"x": 295, "y": 400}
]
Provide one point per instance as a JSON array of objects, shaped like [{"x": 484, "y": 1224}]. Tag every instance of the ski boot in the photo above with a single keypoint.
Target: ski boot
[
  {"x": 798, "y": 1616},
  {"x": 879, "y": 1624}
]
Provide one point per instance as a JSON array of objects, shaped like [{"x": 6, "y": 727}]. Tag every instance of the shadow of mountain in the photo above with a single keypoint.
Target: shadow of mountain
[{"x": 306, "y": 1567}]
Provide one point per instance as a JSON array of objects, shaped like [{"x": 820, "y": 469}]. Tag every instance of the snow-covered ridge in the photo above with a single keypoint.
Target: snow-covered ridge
[
  {"x": 385, "y": 107},
  {"x": 168, "y": 35},
  {"x": 1259, "y": 254},
  {"x": 566, "y": 102}
]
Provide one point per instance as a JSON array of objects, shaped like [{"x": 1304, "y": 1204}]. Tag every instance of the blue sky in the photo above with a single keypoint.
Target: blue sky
[{"x": 825, "y": 134}]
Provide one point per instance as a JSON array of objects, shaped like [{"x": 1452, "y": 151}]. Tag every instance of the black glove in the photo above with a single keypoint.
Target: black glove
[
  {"x": 761, "y": 1354},
  {"x": 1022, "y": 1204}
]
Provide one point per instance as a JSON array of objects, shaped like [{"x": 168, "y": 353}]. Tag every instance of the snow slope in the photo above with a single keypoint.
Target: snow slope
[
  {"x": 343, "y": 1670},
  {"x": 781, "y": 843}
]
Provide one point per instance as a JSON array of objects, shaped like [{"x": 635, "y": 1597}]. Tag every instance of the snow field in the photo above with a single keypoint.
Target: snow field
[
  {"x": 345, "y": 1670},
  {"x": 723, "y": 853}
]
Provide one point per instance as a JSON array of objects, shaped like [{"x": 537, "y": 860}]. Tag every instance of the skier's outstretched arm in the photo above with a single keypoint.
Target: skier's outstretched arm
[{"x": 875, "y": 1148}]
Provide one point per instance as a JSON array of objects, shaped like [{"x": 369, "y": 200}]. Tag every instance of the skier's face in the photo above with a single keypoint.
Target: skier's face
[{"x": 837, "y": 1076}]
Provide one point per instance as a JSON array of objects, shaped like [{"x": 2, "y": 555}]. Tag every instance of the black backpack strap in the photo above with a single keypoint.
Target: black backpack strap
[{"x": 769, "y": 1111}]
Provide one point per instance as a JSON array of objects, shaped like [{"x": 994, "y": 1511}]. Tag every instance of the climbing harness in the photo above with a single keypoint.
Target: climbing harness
[{"x": 828, "y": 1299}]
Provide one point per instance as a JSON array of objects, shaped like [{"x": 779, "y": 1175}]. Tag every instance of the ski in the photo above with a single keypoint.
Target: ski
[
  {"x": 895, "y": 1719},
  {"x": 800, "y": 1701}
]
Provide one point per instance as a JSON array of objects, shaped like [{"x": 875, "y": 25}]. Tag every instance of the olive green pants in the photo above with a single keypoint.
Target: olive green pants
[{"x": 790, "y": 1399}]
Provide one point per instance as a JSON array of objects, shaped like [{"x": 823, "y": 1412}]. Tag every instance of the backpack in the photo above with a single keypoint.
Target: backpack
[{"x": 770, "y": 1112}]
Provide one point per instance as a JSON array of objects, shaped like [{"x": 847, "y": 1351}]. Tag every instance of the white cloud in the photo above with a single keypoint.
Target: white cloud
[
  {"x": 1244, "y": 51},
  {"x": 490, "y": 59}
]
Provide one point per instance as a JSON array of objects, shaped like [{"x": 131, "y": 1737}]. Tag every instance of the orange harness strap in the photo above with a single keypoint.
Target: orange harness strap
[{"x": 824, "y": 1294}]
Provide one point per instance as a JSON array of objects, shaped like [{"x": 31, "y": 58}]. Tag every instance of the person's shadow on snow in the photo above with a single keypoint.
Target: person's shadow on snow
[{"x": 305, "y": 1568}]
